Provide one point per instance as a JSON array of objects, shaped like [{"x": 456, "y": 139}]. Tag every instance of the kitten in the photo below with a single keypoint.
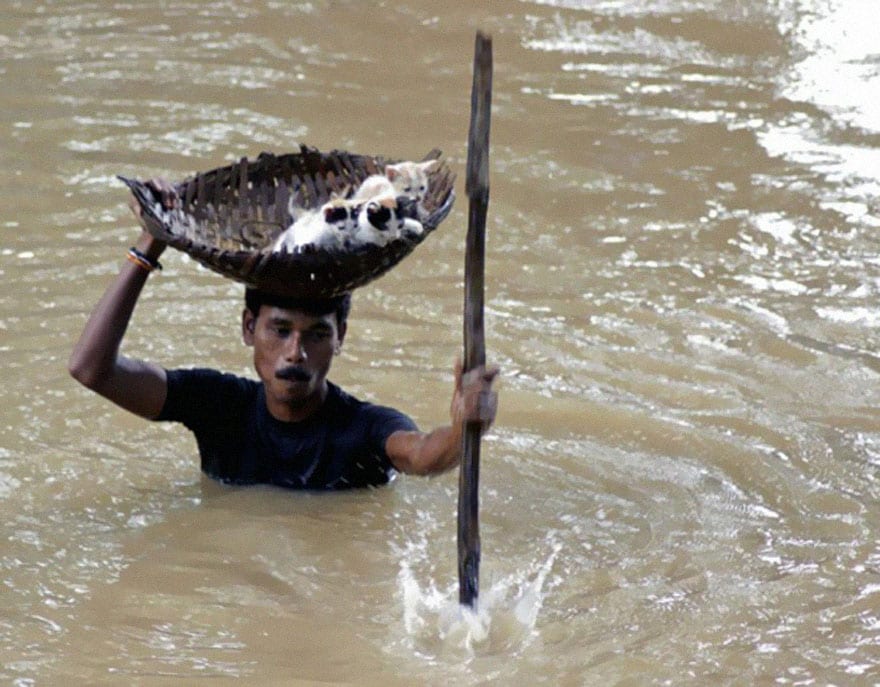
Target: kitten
[
  {"x": 330, "y": 226},
  {"x": 382, "y": 220},
  {"x": 351, "y": 222},
  {"x": 407, "y": 179}
]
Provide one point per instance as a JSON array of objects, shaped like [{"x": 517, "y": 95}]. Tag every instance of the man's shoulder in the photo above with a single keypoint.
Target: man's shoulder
[
  {"x": 208, "y": 375},
  {"x": 340, "y": 400},
  {"x": 338, "y": 395},
  {"x": 344, "y": 405},
  {"x": 201, "y": 391}
]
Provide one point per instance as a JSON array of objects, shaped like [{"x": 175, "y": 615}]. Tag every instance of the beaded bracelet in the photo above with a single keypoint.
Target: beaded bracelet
[{"x": 143, "y": 261}]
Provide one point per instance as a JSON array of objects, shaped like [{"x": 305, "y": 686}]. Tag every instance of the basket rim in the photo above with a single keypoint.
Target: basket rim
[{"x": 310, "y": 271}]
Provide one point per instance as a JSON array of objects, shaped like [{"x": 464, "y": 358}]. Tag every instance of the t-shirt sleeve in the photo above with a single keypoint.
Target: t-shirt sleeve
[
  {"x": 385, "y": 422},
  {"x": 203, "y": 397}
]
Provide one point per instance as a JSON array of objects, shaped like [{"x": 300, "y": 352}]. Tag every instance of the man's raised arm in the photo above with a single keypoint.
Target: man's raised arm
[{"x": 136, "y": 385}]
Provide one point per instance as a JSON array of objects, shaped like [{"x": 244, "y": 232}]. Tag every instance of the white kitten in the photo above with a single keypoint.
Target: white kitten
[{"x": 330, "y": 226}]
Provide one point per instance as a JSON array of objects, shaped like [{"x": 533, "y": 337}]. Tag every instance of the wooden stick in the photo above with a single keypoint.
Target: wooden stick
[{"x": 477, "y": 188}]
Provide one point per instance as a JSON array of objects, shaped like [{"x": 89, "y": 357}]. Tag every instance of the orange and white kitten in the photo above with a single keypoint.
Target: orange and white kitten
[{"x": 407, "y": 179}]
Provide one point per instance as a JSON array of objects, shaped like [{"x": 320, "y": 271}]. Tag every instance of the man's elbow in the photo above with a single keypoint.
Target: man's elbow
[
  {"x": 416, "y": 468},
  {"x": 87, "y": 375},
  {"x": 415, "y": 453},
  {"x": 425, "y": 466}
]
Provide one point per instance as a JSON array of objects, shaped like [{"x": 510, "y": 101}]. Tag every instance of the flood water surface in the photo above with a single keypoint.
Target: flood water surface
[{"x": 682, "y": 280}]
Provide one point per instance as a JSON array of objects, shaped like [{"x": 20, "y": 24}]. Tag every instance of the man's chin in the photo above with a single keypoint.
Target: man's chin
[
  {"x": 296, "y": 393},
  {"x": 295, "y": 387}
]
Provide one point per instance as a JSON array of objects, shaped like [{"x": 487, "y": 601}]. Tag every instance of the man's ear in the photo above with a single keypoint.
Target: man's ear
[
  {"x": 248, "y": 324},
  {"x": 341, "y": 335}
]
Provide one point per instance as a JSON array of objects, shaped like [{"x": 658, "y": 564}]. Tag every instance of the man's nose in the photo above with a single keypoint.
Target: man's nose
[{"x": 295, "y": 351}]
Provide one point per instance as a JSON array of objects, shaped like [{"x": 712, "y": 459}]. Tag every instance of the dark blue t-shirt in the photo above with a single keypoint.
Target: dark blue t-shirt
[{"x": 340, "y": 447}]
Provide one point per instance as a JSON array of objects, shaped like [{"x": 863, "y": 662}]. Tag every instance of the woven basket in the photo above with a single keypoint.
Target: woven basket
[{"x": 229, "y": 218}]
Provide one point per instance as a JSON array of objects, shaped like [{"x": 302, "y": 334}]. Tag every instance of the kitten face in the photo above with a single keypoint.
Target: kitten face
[
  {"x": 410, "y": 179},
  {"x": 379, "y": 216},
  {"x": 376, "y": 222},
  {"x": 340, "y": 213},
  {"x": 381, "y": 221}
]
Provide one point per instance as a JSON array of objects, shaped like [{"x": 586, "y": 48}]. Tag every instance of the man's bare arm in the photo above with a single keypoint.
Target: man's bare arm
[
  {"x": 422, "y": 453},
  {"x": 136, "y": 385}
]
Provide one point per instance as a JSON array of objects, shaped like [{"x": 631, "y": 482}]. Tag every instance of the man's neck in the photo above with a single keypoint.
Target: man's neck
[{"x": 300, "y": 410}]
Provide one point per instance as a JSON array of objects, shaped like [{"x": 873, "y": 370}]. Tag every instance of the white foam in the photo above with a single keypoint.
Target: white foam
[{"x": 503, "y": 620}]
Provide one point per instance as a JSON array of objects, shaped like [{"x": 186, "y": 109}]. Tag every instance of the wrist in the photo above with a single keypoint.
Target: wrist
[
  {"x": 149, "y": 246},
  {"x": 143, "y": 262}
]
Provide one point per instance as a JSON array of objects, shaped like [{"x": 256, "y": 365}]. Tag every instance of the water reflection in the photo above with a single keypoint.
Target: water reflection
[{"x": 682, "y": 291}]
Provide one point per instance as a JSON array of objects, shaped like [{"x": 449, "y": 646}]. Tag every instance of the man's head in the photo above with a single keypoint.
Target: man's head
[
  {"x": 340, "y": 306},
  {"x": 294, "y": 341}
]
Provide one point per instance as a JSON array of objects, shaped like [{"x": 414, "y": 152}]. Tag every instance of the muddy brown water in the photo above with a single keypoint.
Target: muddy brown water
[{"x": 682, "y": 281}]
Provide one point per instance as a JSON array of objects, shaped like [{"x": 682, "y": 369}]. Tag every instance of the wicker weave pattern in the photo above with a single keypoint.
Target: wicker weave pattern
[{"x": 230, "y": 216}]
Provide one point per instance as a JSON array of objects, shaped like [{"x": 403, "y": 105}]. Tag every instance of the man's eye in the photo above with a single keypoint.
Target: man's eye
[{"x": 282, "y": 332}]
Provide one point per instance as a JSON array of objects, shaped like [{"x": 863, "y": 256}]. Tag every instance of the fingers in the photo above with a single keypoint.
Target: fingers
[
  {"x": 166, "y": 192},
  {"x": 488, "y": 408},
  {"x": 490, "y": 373},
  {"x": 478, "y": 400},
  {"x": 479, "y": 375},
  {"x": 163, "y": 190}
]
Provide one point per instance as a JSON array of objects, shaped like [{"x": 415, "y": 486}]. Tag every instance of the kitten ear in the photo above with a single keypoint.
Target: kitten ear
[
  {"x": 335, "y": 213},
  {"x": 428, "y": 165},
  {"x": 392, "y": 172}
]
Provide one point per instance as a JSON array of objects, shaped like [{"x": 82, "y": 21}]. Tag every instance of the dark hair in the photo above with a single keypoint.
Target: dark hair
[{"x": 338, "y": 305}]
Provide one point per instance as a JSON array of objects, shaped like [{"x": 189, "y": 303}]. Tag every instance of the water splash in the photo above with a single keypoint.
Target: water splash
[{"x": 437, "y": 626}]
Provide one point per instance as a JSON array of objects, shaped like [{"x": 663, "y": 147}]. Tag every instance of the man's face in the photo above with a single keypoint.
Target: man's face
[{"x": 292, "y": 355}]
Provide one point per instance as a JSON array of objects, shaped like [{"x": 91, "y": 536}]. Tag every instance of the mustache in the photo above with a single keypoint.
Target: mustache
[{"x": 293, "y": 373}]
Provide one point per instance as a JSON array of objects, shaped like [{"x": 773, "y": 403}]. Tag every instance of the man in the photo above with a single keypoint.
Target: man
[{"x": 293, "y": 428}]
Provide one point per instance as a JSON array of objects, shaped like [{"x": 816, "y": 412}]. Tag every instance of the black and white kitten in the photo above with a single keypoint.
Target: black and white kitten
[
  {"x": 343, "y": 223},
  {"x": 382, "y": 220},
  {"x": 330, "y": 226}
]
